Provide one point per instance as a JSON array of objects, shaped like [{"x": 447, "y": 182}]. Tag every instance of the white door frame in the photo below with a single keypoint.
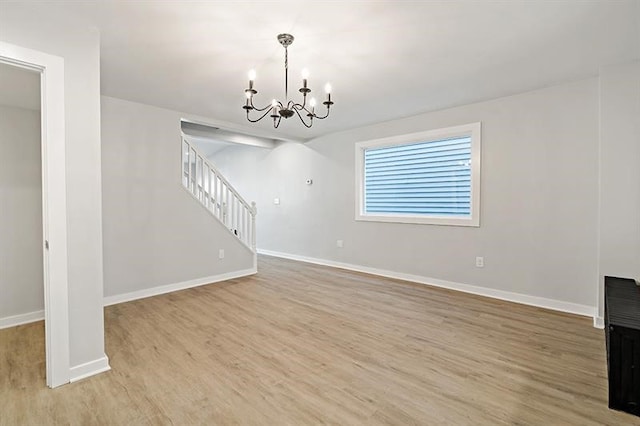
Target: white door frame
[{"x": 54, "y": 204}]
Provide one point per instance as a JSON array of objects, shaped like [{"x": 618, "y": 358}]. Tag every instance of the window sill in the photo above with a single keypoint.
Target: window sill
[{"x": 420, "y": 220}]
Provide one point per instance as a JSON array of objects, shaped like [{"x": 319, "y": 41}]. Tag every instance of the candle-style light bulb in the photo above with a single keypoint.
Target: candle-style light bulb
[
  {"x": 274, "y": 103},
  {"x": 305, "y": 76},
  {"x": 312, "y": 102},
  {"x": 252, "y": 76},
  {"x": 327, "y": 88}
]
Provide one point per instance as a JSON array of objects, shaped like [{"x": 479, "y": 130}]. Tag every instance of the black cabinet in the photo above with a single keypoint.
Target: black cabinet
[{"x": 622, "y": 325}]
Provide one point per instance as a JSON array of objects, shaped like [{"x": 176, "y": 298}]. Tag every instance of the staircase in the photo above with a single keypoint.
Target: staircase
[{"x": 205, "y": 182}]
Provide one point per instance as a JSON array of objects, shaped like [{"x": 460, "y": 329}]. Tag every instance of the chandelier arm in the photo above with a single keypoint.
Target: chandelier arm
[
  {"x": 324, "y": 116},
  {"x": 302, "y": 107},
  {"x": 258, "y": 109},
  {"x": 312, "y": 114},
  {"x": 276, "y": 122},
  {"x": 304, "y": 102},
  {"x": 261, "y": 117},
  {"x": 262, "y": 109},
  {"x": 308, "y": 126}
]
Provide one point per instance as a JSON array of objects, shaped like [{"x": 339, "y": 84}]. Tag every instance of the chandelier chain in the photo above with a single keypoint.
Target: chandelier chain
[{"x": 286, "y": 74}]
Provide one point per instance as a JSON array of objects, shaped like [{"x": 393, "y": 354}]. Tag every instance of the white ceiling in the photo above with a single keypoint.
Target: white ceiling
[
  {"x": 19, "y": 87},
  {"x": 385, "y": 59}
]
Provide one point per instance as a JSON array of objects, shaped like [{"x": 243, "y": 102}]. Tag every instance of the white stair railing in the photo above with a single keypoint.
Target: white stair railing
[{"x": 205, "y": 182}]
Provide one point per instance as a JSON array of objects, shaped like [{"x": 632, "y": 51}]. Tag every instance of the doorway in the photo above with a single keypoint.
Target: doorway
[
  {"x": 21, "y": 254},
  {"x": 52, "y": 233}
]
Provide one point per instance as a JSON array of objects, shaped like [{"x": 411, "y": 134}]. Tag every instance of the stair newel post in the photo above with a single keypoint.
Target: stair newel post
[{"x": 254, "y": 212}]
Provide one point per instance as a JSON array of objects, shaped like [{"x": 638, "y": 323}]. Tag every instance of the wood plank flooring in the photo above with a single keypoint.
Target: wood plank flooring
[{"x": 300, "y": 344}]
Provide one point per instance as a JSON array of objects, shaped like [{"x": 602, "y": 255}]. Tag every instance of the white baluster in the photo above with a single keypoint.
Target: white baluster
[
  {"x": 211, "y": 177},
  {"x": 205, "y": 184},
  {"x": 230, "y": 208},
  {"x": 216, "y": 211},
  {"x": 247, "y": 226},
  {"x": 223, "y": 195},
  {"x": 192, "y": 167},
  {"x": 184, "y": 155},
  {"x": 201, "y": 179},
  {"x": 233, "y": 212},
  {"x": 218, "y": 198},
  {"x": 247, "y": 221},
  {"x": 254, "y": 212},
  {"x": 235, "y": 225},
  {"x": 226, "y": 204},
  {"x": 243, "y": 223},
  {"x": 198, "y": 178},
  {"x": 211, "y": 174}
]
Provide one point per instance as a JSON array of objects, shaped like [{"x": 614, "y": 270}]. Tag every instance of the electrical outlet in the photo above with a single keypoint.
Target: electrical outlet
[
  {"x": 339, "y": 243},
  {"x": 221, "y": 254},
  {"x": 480, "y": 262}
]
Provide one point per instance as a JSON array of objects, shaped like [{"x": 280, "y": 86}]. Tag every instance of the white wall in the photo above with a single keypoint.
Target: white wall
[
  {"x": 155, "y": 232},
  {"x": 21, "y": 279},
  {"x": 539, "y": 199},
  {"x": 80, "y": 48},
  {"x": 620, "y": 172}
]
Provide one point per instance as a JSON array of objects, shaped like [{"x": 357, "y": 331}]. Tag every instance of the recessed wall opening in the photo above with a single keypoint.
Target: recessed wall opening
[
  {"x": 221, "y": 147},
  {"x": 210, "y": 139}
]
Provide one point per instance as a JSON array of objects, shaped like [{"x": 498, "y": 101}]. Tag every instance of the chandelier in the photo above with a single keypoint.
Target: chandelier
[{"x": 278, "y": 110}]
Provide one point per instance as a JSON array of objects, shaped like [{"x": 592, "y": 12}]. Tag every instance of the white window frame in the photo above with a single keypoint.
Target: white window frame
[{"x": 474, "y": 130}]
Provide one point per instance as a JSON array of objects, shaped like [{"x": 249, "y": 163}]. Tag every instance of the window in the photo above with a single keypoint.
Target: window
[{"x": 429, "y": 177}]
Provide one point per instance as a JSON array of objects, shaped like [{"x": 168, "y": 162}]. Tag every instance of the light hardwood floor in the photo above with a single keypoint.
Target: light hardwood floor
[{"x": 300, "y": 344}]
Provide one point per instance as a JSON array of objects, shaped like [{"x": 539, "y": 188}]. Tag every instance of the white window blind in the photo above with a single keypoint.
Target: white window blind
[
  {"x": 430, "y": 177},
  {"x": 424, "y": 178}
]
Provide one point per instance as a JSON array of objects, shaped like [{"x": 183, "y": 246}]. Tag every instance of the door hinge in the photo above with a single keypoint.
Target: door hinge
[{"x": 46, "y": 244}]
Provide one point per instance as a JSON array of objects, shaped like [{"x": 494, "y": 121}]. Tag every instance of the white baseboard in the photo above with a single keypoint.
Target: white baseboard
[
  {"x": 598, "y": 322},
  {"x": 541, "y": 302},
  {"x": 154, "y": 291},
  {"x": 15, "y": 320},
  {"x": 89, "y": 369}
]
